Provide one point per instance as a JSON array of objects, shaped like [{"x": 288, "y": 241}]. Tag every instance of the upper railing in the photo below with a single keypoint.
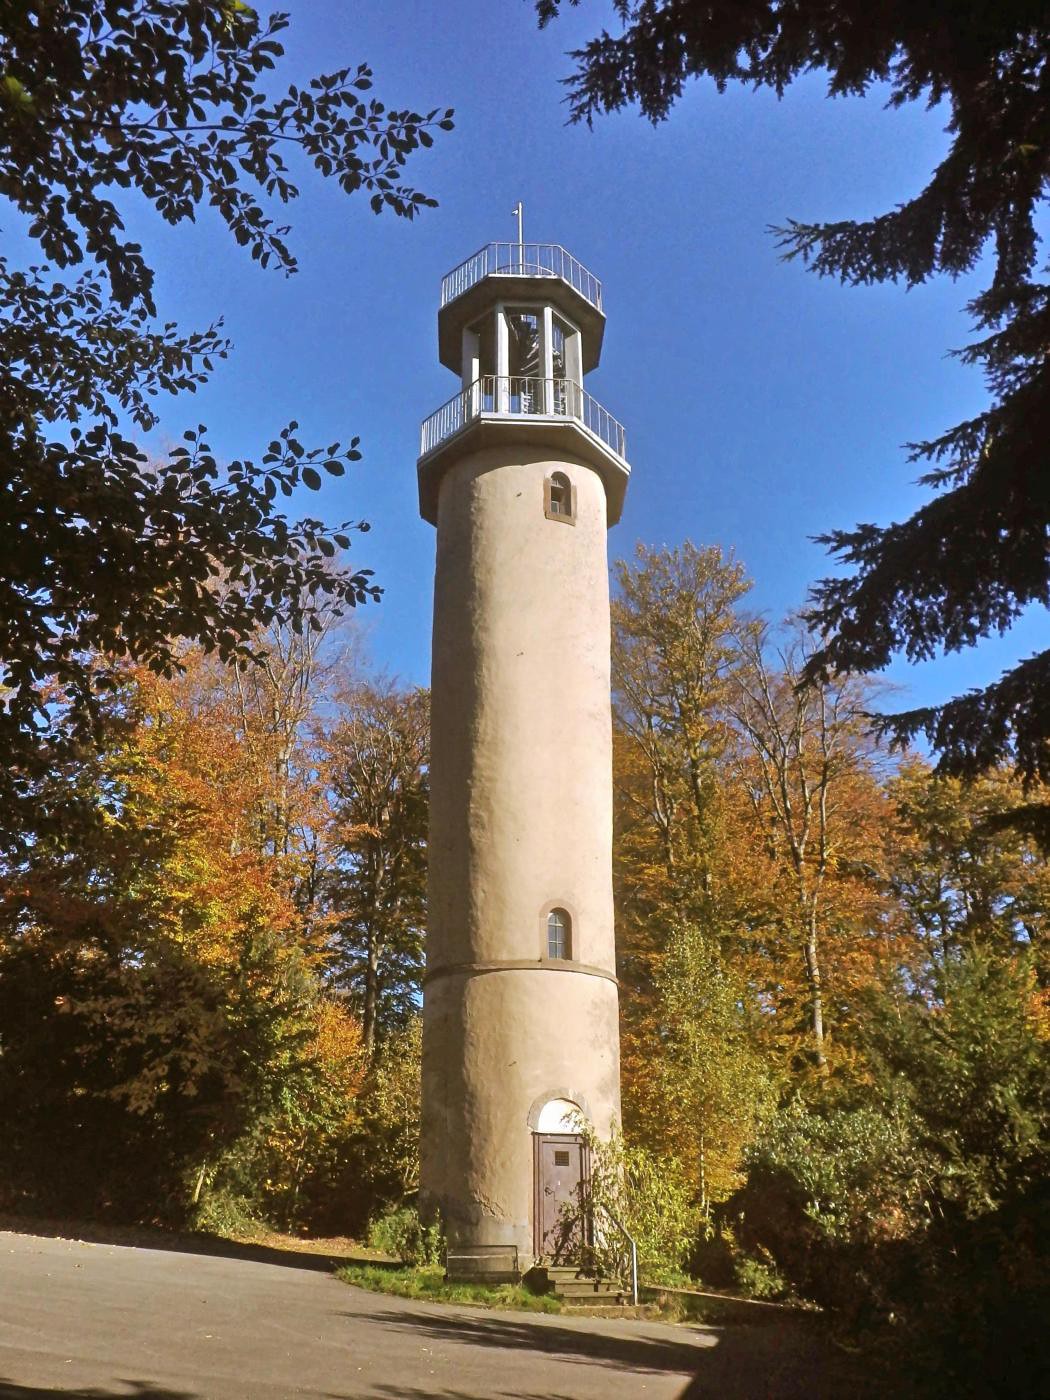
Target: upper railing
[
  {"x": 516, "y": 396},
  {"x": 521, "y": 260}
]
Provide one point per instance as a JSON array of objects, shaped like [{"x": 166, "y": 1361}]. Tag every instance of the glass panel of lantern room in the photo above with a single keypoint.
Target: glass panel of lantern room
[{"x": 524, "y": 361}]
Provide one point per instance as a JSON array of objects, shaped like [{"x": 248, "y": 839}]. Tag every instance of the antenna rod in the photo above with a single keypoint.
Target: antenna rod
[{"x": 518, "y": 210}]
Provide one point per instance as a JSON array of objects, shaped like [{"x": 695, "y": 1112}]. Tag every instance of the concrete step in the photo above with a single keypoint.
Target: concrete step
[
  {"x": 555, "y": 1272},
  {"x": 613, "y": 1305},
  {"x": 575, "y": 1288},
  {"x": 589, "y": 1291},
  {"x": 583, "y": 1307}
]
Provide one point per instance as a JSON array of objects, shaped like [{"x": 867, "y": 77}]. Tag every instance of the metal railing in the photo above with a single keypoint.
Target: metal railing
[
  {"x": 521, "y": 260},
  {"x": 631, "y": 1245},
  {"x": 518, "y": 396}
]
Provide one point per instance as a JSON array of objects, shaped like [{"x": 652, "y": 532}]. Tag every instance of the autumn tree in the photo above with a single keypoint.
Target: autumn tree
[
  {"x": 376, "y": 762},
  {"x": 805, "y": 774},
  {"x": 282, "y": 703},
  {"x": 108, "y": 555},
  {"x": 380, "y": 1162},
  {"x": 679, "y": 638},
  {"x": 974, "y": 556},
  {"x": 287, "y": 1166},
  {"x": 702, "y": 1098},
  {"x": 909, "y": 1198},
  {"x": 962, "y": 881},
  {"x": 676, "y": 638},
  {"x": 155, "y": 999},
  {"x": 277, "y": 700}
]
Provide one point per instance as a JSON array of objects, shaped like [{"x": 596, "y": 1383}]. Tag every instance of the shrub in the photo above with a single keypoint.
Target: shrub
[
  {"x": 401, "y": 1233},
  {"x": 225, "y": 1213},
  {"x": 759, "y": 1277},
  {"x": 919, "y": 1211},
  {"x": 646, "y": 1194}
]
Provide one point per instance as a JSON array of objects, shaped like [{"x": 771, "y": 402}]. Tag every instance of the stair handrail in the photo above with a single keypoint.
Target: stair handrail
[{"x": 634, "y": 1249}]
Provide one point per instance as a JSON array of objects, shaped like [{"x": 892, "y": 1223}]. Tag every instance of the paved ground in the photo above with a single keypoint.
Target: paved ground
[{"x": 100, "y": 1320}]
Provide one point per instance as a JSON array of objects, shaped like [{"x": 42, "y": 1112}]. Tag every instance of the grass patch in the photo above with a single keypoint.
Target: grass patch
[{"x": 429, "y": 1284}]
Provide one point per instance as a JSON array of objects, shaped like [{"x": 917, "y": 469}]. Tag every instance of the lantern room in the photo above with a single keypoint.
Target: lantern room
[{"x": 521, "y": 324}]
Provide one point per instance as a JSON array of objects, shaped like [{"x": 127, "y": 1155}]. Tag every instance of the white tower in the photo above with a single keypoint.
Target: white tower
[{"x": 522, "y": 472}]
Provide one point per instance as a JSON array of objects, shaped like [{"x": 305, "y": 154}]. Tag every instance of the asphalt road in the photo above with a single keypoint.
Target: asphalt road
[{"x": 100, "y": 1320}]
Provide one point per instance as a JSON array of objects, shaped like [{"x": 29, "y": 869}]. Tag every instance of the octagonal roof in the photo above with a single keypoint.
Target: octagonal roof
[{"x": 530, "y": 272}]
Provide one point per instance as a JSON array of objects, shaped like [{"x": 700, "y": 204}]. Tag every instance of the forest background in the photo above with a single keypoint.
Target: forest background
[
  {"x": 832, "y": 974},
  {"x": 832, "y": 961}
]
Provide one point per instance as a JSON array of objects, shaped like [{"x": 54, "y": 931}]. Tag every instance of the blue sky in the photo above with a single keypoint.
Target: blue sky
[{"x": 762, "y": 405}]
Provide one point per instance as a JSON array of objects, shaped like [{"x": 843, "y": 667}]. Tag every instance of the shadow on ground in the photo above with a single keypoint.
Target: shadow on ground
[
  {"x": 130, "y": 1390},
  {"x": 780, "y": 1362},
  {"x": 634, "y": 1350},
  {"x": 145, "y": 1390},
  {"x": 142, "y": 1237},
  {"x": 399, "y": 1392}
]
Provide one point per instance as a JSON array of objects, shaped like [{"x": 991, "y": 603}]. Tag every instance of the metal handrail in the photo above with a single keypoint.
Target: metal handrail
[
  {"x": 522, "y": 396},
  {"x": 521, "y": 260},
  {"x": 633, "y": 1246}
]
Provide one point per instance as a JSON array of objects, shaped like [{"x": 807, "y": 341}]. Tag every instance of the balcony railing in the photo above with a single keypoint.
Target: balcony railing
[
  {"x": 516, "y": 397},
  {"x": 521, "y": 260}
]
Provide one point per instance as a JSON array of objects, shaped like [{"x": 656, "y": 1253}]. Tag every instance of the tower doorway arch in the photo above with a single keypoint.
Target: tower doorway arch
[{"x": 561, "y": 1170}]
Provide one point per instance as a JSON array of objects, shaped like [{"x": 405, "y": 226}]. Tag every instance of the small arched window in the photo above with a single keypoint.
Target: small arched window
[
  {"x": 559, "y": 934},
  {"x": 559, "y": 498}
]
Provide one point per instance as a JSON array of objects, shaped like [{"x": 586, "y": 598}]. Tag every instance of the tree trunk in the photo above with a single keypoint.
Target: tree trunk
[
  {"x": 816, "y": 995},
  {"x": 371, "y": 1002}
]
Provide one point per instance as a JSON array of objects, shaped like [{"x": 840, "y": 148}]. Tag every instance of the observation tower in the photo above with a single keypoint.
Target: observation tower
[{"x": 522, "y": 472}]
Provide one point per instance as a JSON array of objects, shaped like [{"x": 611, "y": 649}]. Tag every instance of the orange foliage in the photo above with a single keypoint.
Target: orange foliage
[{"x": 185, "y": 775}]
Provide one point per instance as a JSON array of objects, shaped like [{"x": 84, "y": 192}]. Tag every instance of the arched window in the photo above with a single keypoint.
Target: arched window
[
  {"x": 559, "y": 934},
  {"x": 559, "y": 498}
]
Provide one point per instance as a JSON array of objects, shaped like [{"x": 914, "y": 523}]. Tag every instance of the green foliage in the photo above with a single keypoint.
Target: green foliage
[
  {"x": 844, "y": 1161},
  {"x": 920, "y": 1206},
  {"x": 167, "y": 97},
  {"x": 969, "y": 1283},
  {"x": 106, "y": 554},
  {"x": 969, "y": 561},
  {"x": 647, "y": 1196},
  {"x": 759, "y": 1278},
  {"x": 974, "y": 1069},
  {"x": 119, "y": 1076},
  {"x": 975, "y": 1301},
  {"x": 286, "y": 1166},
  {"x": 376, "y": 761},
  {"x": 402, "y": 1234},
  {"x": 703, "y": 1096},
  {"x": 823, "y": 1184},
  {"x": 221, "y": 1212},
  {"x": 962, "y": 877},
  {"x": 379, "y": 1165}
]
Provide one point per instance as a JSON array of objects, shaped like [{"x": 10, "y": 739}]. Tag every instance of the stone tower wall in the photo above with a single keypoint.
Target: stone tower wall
[{"x": 521, "y": 820}]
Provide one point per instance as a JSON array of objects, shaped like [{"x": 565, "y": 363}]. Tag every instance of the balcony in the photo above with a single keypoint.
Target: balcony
[
  {"x": 508, "y": 396},
  {"x": 521, "y": 260},
  {"x": 507, "y": 408}
]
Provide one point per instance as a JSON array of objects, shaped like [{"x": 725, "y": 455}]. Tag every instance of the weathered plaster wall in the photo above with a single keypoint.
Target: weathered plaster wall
[
  {"x": 521, "y": 819},
  {"x": 497, "y": 1042}
]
